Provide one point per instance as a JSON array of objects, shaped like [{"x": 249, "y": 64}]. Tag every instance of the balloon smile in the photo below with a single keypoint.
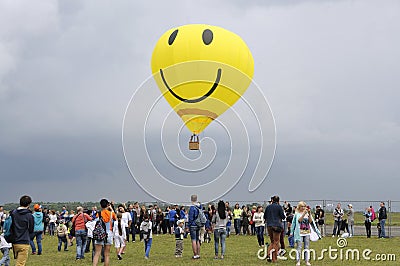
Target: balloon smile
[{"x": 197, "y": 99}]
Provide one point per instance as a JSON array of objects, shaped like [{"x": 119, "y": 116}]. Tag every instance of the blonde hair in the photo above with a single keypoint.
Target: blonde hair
[{"x": 299, "y": 205}]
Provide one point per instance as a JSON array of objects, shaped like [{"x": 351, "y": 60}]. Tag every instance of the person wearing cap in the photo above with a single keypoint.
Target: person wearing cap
[
  {"x": 62, "y": 232},
  {"x": 350, "y": 220},
  {"x": 179, "y": 233},
  {"x": 273, "y": 216},
  {"x": 37, "y": 229}
]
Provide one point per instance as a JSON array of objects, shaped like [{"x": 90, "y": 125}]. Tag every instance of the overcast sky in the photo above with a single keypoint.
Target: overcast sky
[{"x": 330, "y": 71}]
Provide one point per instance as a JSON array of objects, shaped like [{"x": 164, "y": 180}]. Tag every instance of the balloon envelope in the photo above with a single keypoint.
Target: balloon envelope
[{"x": 201, "y": 70}]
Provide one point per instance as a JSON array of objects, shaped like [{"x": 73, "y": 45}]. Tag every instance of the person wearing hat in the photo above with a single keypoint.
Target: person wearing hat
[
  {"x": 179, "y": 233},
  {"x": 37, "y": 229},
  {"x": 350, "y": 220},
  {"x": 62, "y": 232}
]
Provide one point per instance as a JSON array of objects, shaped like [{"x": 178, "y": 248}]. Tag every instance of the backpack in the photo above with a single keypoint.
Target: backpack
[
  {"x": 8, "y": 228},
  {"x": 146, "y": 230},
  {"x": 201, "y": 218},
  {"x": 99, "y": 231},
  {"x": 61, "y": 231}
]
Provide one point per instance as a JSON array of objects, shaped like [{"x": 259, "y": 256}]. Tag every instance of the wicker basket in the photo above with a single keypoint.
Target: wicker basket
[{"x": 194, "y": 143}]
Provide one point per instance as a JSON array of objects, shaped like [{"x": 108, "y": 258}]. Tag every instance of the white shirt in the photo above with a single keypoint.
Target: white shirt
[
  {"x": 115, "y": 229},
  {"x": 126, "y": 217},
  {"x": 52, "y": 218}
]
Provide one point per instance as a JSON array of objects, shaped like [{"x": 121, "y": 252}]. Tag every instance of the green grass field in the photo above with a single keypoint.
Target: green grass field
[{"x": 240, "y": 250}]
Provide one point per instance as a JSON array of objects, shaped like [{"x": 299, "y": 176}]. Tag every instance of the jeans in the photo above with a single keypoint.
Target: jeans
[
  {"x": 80, "y": 243},
  {"x": 306, "y": 240},
  {"x": 219, "y": 234},
  {"x": 147, "y": 246},
  {"x": 382, "y": 223},
  {"x": 62, "y": 239},
  {"x": 368, "y": 228},
  {"x": 260, "y": 235},
  {"x": 6, "y": 257},
  {"x": 133, "y": 231},
  {"x": 337, "y": 225},
  {"x": 52, "y": 227},
  {"x": 351, "y": 228},
  {"x": 38, "y": 236},
  {"x": 228, "y": 229},
  {"x": 236, "y": 224}
]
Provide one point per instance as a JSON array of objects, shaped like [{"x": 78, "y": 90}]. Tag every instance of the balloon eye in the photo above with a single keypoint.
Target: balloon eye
[
  {"x": 207, "y": 36},
  {"x": 172, "y": 37}
]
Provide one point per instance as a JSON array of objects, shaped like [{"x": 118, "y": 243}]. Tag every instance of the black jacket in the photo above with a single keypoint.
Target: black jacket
[
  {"x": 382, "y": 213},
  {"x": 22, "y": 225}
]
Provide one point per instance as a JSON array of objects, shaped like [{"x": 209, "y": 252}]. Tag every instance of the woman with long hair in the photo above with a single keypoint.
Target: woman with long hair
[
  {"x": 259, "y": 223},
  {"x": 119, "y": 235},
  {"x": 301, "y": 230},
  {"x": 219, "y": 221}
]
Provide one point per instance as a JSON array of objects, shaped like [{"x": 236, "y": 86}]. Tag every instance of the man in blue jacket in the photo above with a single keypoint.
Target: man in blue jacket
[
  {"x": 194, "y": 229},
  {"x": 22, "y": 226},
  {"x": 273, "y": 216}
]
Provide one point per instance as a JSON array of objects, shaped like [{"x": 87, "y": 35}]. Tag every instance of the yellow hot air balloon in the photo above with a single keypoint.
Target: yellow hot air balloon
[{"x": 201, "y": 70}]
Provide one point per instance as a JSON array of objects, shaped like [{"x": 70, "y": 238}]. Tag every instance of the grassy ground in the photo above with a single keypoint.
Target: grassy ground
[{"x": 240, "y": 250}]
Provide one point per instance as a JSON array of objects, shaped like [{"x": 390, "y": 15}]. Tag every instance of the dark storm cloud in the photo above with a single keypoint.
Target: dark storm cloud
[{"x": 330, "y": 70}]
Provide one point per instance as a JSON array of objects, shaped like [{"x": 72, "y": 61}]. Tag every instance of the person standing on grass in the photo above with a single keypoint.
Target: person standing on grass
[
  {"x": 367, "y": 222},
  {"x": 237, "y": 214},
  {"x": 22, "y": 225},
  {"x": 382, "y": 216},
  {"x": 194, "y": 229},
  {"x": 5, "y": 249},
  {"x": 179, "y": 233},
  {"x": 350, "y": 220},
  {"x": 62, "y": 233},
  {"x": 132, "y": 226},
  {"x": 52, "y": 222},
  {"x": 338, "y": 217},
  {"x": 259, "y": 223},
  {"x": 147, "y": 234},
  {"x": 119, "y": 235},
  {"x": 320, "y": 219},
  {"x": 108, "y": 215},
  {"x": 274, "y": 215},
  {"x": 301, "y": 231},
  {"x": 37, "y": 230},
  {"x": 79, "y": 221},
  {"x": 219, "y": 221}
]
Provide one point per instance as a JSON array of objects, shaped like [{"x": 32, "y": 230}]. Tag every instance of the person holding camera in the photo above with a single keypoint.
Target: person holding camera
[
  {"x": 108, "y": 215},
  {"x": 301, "y": 231}
]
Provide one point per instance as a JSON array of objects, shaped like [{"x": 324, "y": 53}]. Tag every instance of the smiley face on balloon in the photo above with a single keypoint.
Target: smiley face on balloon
[{"x": 201, "y": 70}]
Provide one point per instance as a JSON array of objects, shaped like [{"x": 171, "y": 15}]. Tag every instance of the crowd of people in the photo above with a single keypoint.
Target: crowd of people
[{"x": 118, "y": 225}]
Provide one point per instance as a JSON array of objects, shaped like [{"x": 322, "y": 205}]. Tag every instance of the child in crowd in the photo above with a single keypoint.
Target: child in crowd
[
  {"x": 119, "y": 235},
  {"x": 145, "y": 231},
  {"x": 5, "y": 249},
  {"x": 62, "y": 233},
  {"x": 179, "y": 234}
]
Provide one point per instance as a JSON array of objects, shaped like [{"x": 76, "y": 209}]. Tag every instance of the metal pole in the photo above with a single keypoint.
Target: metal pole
[
  {"x": 390, "y": 217},
  {"x": 323, "y": 207}
]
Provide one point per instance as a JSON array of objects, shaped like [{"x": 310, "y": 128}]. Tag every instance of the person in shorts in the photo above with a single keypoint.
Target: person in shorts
[
  {"x": 194, "y": 229},
  {"x": 108, "y": 215}
]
